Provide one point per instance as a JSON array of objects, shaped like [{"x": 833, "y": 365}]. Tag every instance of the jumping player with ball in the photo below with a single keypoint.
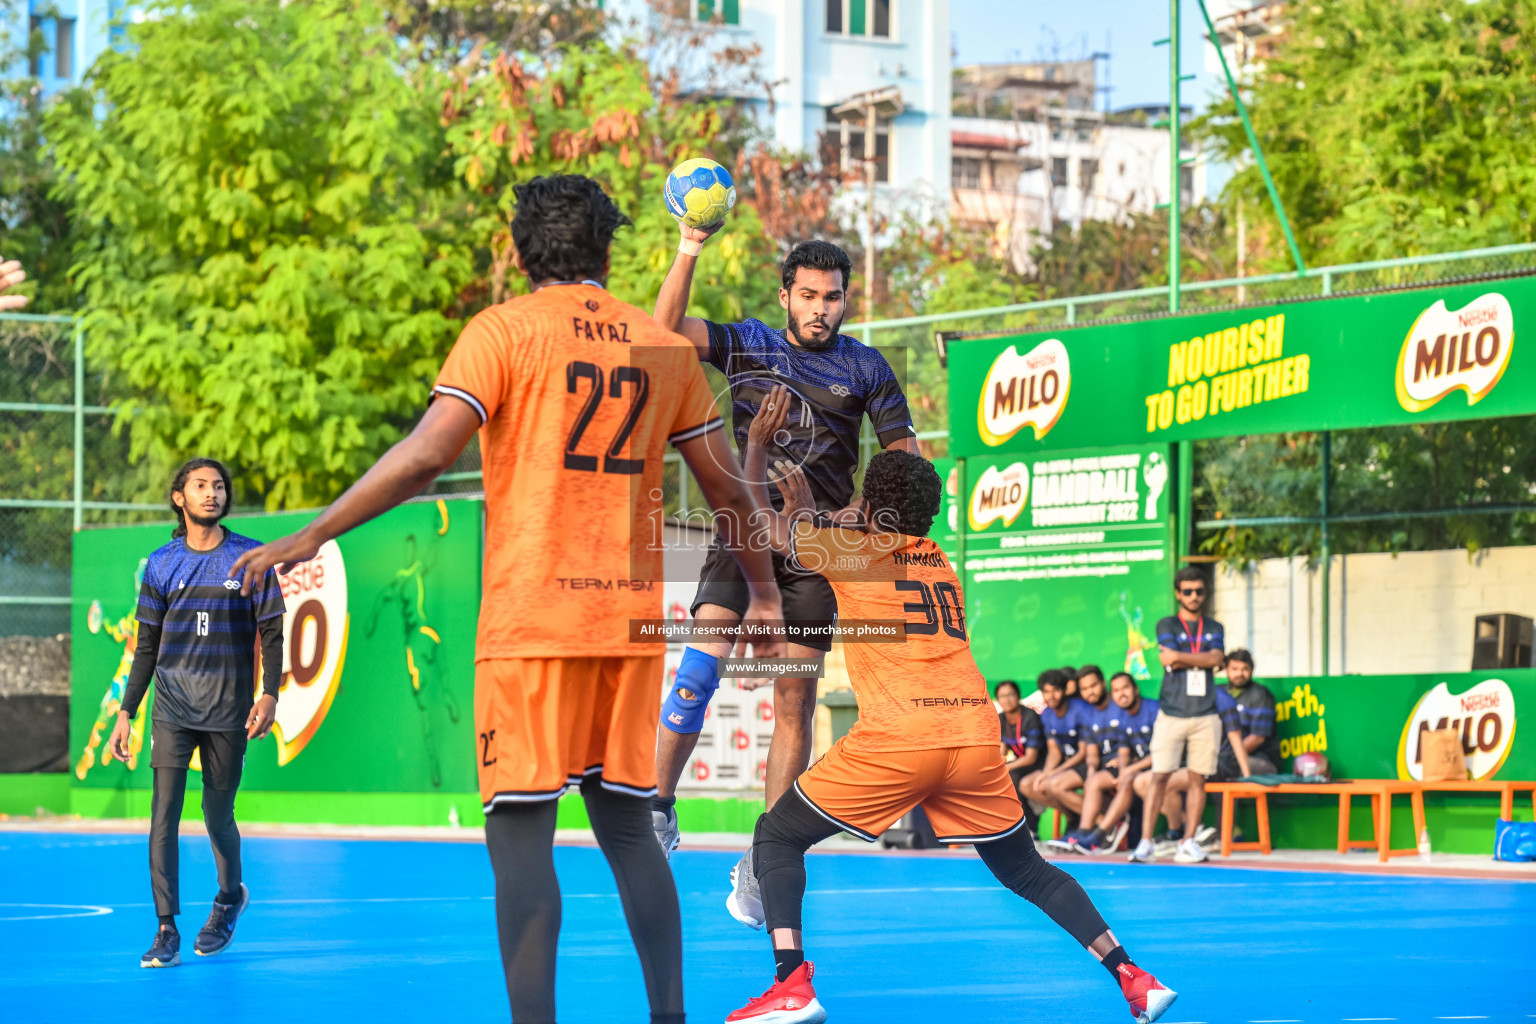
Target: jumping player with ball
[{"x": 837, "y": 381}]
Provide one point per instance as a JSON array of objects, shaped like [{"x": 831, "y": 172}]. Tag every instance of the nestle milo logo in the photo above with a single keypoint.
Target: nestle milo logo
[
  {"x": 1446, "y": 350},
  {"x": 1021, "y": 391}
]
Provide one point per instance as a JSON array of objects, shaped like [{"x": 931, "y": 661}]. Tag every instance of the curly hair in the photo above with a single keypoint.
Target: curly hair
[
  {"x": 902, "y": 491},
  {"x": 563, "y": 227},
  {"x": 179, "y": 484}
]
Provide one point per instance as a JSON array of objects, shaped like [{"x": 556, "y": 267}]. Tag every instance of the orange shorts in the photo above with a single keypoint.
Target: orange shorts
[
  {"x": 965, "y": 791},
  {"x": 543, "y": 724}
]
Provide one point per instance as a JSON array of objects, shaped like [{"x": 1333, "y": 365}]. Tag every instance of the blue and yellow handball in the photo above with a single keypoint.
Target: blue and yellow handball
[{"x": 699, "y": 192}]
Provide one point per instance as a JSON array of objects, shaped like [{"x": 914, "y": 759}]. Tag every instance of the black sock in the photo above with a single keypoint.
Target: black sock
[
  {"x": 229, "y": 899},
  {"x": 787, "y": 961},
  {"x": 1113, "y": 959},
  {"x": 663, "y": 803},
  {"x": 168, "y": 921}
]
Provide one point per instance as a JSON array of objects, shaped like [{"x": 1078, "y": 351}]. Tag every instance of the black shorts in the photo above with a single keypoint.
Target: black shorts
[
  {"x": 1081, "y": 768},
  {"x": 808, "y": 598},
  {"x": 223, "y": 753}
]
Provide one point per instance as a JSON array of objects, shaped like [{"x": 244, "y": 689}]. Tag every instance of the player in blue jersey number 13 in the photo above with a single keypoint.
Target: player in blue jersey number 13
[
  {"x": 836, "y": 382},
  {"x": 197, "y": 643}
]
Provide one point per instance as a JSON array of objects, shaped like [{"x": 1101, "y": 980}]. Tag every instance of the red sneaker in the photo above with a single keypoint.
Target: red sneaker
[
  {"x": 791, "y": 1001},
  {"x": 1149, "y": 998}
]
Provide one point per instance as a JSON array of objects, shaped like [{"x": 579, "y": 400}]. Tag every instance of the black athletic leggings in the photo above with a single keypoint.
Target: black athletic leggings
[
  {"x": 786, "y": 832},
  {"x": 165, "y": 838},
  {"x": 520, "y": 838}
]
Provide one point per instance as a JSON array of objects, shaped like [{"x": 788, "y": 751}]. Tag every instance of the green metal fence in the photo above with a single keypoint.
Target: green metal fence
[{"x": 63, "y": 467}]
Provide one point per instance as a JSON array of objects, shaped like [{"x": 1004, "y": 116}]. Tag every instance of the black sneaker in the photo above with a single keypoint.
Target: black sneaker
[
  {"x": 166, "y": 952},
  {"x": 219, "y": 932}
]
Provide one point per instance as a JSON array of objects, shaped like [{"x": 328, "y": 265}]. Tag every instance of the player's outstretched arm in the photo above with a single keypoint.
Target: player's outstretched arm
[
  {"x": 672, "y": 302},
  {"x": 403, "y": 471},
  {"x": 713, "y": 465}
]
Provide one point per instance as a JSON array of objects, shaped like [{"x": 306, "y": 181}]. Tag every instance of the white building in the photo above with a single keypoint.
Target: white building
[
  {"x": 818, "y": 54},
  {"x": 1022, "y": 178},
  {"x": 75, "y": 31}
]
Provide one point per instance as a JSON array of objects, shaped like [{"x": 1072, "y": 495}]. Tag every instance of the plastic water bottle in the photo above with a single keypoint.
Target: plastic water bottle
[
  {"x": 1424, "y": 845},
  {"x": 453, "y": 822}
]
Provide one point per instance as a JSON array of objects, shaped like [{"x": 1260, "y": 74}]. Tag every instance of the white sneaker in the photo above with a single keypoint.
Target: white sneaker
[
  {"x": 665, "y": 824},
  {"x": 745, "y": 902},
  {"x": 1117, "y": 836},
  {"x": 1190, "y": 852},
  {"x": 1144, "y": 853},
  {"x": 1204, "y": 834}
]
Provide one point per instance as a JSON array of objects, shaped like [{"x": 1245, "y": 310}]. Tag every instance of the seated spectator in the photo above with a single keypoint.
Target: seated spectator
[
  {"x": 1129, "y": 729},
  {"x": 1247, "y": 709},
  {"x": 1099, "y": 745},
  {"x": 1065, "y": 741},
  {"x": 1023, "y": 742},
  {"x": 1069, "y": 677}
]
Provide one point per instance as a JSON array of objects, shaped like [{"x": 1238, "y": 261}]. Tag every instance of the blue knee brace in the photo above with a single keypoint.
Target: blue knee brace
[{"x": 698, "y": 676}]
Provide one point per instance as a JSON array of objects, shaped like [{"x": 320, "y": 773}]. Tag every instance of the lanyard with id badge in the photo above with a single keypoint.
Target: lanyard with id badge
[{"x": 1194, "y": 678}]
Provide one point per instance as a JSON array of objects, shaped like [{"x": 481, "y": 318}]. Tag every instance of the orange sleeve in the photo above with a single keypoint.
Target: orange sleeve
[
  {"x": 476, "y": 370},
  {"x": 696, "y": 413}
]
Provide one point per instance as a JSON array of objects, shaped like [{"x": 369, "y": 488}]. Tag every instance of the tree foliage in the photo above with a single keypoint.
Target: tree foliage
[
  {"x": 1394, "y": 128},
  {"x": 1391, "y": 130},
  {"x": 261, "y": 242}
]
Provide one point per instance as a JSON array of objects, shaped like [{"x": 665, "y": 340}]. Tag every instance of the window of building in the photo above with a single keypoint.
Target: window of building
[
  {"x": 64, "y": 48},
  {"x": 843, "y": 147},
  {"x": 1059, "y": 171},
  {"x": 1087, "y": 171},
  {"x": 1186, "y": 186},
  {"x": 725, "y": 12},
  {"x": 966, "y": 172},
  {"x": 859, "y": 18}
]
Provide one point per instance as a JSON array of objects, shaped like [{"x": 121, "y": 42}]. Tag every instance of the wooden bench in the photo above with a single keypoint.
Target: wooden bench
[{"x": 1381, "y": 792}]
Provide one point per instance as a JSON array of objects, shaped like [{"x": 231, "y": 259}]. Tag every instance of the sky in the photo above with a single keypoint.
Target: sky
[{"x": 1000, "y": 30}]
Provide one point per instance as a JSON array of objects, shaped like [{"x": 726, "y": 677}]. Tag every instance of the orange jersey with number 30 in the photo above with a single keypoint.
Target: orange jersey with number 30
[
  {"x": 578, "y": 395},
  {"x": 920, "y": 694}
]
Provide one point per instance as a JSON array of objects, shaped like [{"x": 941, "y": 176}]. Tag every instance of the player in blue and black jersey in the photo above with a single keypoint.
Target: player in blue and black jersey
[
  {"x": 836, "y": 382},
  {"x": 197, "y": 643}
]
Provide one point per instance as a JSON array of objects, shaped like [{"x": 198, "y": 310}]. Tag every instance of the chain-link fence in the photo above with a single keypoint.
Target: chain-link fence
[{"x": 63, "y": 465}]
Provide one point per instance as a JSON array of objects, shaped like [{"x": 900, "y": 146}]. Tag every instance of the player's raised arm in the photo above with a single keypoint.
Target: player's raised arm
[
  {"x": 710, "y": 460},
  {"x": 405, "y": 469},
  {"x": 672, "y": 302},
  {"x": 770, "y": 419}
]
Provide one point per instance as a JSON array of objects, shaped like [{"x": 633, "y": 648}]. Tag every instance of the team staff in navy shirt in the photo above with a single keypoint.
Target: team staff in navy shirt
[
  {"x": 1248, "y": 710},
  {"x": 1066, "y": 739},
  {"x": 1191, "y": 647},
  {"x": 1128, "y": 729},
  {"x": 197, "y": 643},
  {"x": 1095, "y": 710}
]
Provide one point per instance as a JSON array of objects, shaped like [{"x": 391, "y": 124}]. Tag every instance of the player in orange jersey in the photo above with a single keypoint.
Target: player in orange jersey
[
  {"x": 926, "y": 732},
  {"x": 575, "y": 396}
]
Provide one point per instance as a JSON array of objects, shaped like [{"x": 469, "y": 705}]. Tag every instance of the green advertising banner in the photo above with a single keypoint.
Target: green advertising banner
[
  {"x": 1369, "y": 726},
  {"x": 1399, "y": 357},
  {"x": 1066, "y": 557},
  {"x": 378, "y": 670}
]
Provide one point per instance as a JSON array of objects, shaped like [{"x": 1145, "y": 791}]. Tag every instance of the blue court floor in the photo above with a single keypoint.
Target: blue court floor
[{"x": 343, "y": 931}]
